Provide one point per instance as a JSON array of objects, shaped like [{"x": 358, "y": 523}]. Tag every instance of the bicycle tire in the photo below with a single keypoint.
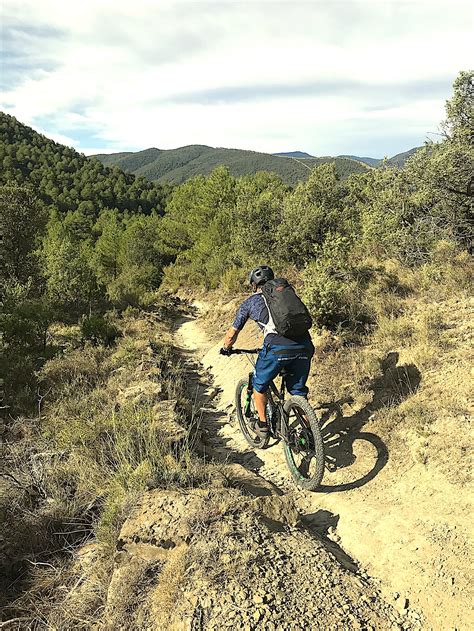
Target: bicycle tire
[
  {"x": 312, "y": 481},
  {"x": 253, "y": 440}
]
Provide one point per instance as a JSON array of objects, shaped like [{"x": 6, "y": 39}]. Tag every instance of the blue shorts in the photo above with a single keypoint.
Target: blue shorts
[{"x": 296, "y": 360}]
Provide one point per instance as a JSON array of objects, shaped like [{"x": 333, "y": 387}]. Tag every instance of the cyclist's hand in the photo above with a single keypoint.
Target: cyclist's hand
[{"x": 225, "y": 351}]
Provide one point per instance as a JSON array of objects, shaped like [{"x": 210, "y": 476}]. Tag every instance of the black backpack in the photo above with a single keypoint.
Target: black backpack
[{"x": 288, "y": 312}]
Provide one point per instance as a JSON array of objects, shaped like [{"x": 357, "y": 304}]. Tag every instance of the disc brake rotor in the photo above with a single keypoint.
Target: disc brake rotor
[{"x": 301, "y": 439}]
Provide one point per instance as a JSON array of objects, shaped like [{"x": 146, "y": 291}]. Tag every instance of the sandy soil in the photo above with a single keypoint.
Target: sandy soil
[{"x": 402, "y": 520}]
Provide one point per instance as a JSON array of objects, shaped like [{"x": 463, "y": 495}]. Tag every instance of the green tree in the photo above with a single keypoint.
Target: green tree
[
  {"x": 310, "y": 212},
  {"x": 107, "y": 247},
  {"x": 258, "y": 213},
  {"x": 443, "y": 174},
  {"x": 459, "y": 123},
  {"x": 22, "y": 220},
  {"x": 71, "y": 285},
  {"x": 140, "y": 262}
]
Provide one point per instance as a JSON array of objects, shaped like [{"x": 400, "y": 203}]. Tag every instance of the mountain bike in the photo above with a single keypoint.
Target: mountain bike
[{"x": 292, "y": 421}]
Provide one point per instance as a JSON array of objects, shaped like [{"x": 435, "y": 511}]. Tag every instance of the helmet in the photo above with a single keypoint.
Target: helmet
[{"x": 260, "y": 275}]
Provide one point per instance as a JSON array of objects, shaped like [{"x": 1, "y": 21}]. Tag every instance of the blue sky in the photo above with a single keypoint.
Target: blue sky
[{"x": 327, "y": 77}]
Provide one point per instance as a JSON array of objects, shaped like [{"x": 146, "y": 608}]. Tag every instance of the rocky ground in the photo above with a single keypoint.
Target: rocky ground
[{"x": 220, "y": 559}]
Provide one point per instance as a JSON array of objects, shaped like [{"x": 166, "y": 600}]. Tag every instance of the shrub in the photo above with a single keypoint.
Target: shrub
[
  {"x": 96, "y": 329},
  {"x": 333, "y": 286}
]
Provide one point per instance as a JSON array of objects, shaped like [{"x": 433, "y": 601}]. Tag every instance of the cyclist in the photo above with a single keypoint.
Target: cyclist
[{"x": 277, "y": 352}]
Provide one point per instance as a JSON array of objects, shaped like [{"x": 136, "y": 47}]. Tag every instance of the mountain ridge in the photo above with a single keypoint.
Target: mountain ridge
[{"x": 177, "y": 165}]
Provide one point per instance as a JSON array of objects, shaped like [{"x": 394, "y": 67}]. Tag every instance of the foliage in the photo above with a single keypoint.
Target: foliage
[
  {"x": 96, "y": 329},
  {"x": 22, "y": 220},
  {"x": 334, "y": 284},
  {"x": 24, "y": 316},
  {"x": 70, "y": 283},
  {"x": 258, "y": 212},
  {"x": 310, "y": 211}
]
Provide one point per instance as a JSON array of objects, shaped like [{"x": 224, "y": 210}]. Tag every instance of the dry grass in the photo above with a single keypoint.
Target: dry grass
[
  {"x": 167, "y": 593},
  {"x": 431, "y": 331},
  {"x": 78, "y": 471}
]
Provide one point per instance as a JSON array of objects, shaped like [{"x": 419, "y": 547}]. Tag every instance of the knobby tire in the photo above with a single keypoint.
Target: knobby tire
[
  {"x": 250, "y": 436},
  {"x": 301, "y": 409}
]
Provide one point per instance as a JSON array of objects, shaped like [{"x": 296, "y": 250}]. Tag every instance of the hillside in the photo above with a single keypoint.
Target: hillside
[
  {"x": 400, "y": 158},
  {"x": 177, "y": 165},
  {"x": 133, "y": 494},
  {"x": 66, "y": 179},
  {"x": 397, "y": 160},
  {"x": 386, "y": 408},
  {"x": 114, "y": 520},
  {"x": 373, "y": 162}
]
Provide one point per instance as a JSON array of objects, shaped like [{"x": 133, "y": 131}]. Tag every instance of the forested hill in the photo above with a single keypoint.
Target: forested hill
[
  {"x": 400, "y": 159},
  {"x": 66, "y": 179},
  {"x": 397, "y": 160},
  {"x": 178, "y": 165}
]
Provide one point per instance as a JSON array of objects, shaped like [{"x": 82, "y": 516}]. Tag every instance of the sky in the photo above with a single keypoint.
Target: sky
[{"x": 329, "y": 77}]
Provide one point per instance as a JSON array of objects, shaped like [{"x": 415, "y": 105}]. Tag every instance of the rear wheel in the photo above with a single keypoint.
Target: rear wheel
[
  {"x": 248, "y": 416},
  {"x": 304, "y": 450}
]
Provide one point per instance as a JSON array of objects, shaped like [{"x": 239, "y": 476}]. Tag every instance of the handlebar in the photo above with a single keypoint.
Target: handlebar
[{"x": 243, "y": 351}]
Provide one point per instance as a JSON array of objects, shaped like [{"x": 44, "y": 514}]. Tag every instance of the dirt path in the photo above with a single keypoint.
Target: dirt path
[{"x": 394, "y": 520}]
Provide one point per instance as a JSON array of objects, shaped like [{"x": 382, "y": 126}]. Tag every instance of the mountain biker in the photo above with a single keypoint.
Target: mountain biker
[{"x": 294, "y": 353}]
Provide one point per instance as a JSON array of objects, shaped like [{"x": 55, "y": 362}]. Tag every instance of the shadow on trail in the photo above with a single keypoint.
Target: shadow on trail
[
  {"x": 207, "y": 421},
  {"x": 320, "y": 525},
  {"x": 395, "y": 384}
]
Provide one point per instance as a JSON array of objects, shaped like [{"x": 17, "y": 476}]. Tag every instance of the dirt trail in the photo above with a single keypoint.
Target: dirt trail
[{"x": 394, "y": 518}]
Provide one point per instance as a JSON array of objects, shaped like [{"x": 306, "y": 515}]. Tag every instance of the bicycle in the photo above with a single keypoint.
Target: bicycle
[{"x": 293, "y": 421}]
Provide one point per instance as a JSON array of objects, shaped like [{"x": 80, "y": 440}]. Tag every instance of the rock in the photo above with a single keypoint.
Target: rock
[
  {"x": 165, "y": 422},
  {"x": 87, "y": 555},
  {"x": 119, "y": 591},
  {"x": 240, "y": 477},
  {"x": 141, "y": 392},
  {"x": 256, "y": 615},
  {"x": 278, "y": 508},
  {"x": 160, "y": 520}
]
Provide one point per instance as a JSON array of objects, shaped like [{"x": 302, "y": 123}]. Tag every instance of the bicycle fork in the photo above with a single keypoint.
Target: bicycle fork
[{"x": 248, "y": 398}]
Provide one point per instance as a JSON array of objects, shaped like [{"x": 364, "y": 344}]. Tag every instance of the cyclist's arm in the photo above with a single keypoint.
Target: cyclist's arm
[
  {"x": 230, "y": 337},
  {"x": 240, "y": 319}
]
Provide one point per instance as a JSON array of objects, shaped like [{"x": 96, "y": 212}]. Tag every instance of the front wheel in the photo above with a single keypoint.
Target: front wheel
[
  {"x": 247, "y": 415},
  {"x": 304, "y": 449}
]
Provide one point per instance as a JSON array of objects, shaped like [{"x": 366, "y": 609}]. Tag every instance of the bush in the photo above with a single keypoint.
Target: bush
[
  {"x": 448, "y": 269},
  {"x": 333, "y": 286},
  {"x": 96, "y": 329}
]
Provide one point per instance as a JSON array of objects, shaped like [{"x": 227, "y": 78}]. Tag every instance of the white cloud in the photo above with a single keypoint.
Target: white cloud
[{"x": 260, "y": 75}]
